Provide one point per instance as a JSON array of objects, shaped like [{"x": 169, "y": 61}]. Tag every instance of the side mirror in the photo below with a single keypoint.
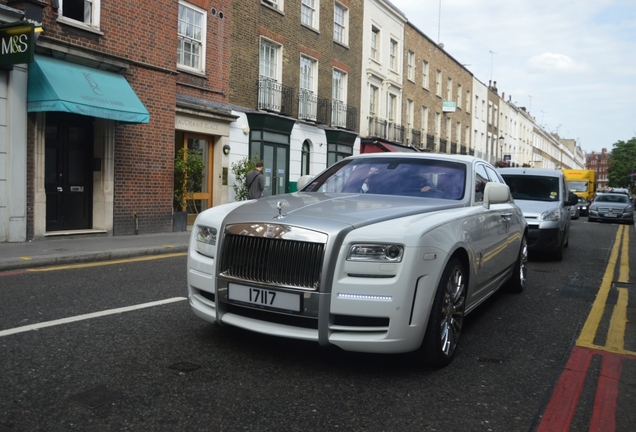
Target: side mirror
[
  {"x": 496, "y": 193},
  {"x": 572, "y": 200},
  {"x": 303, "y": 181}
]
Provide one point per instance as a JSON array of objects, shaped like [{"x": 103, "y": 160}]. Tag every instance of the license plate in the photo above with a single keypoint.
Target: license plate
[
  {"x": 264, "y": 298},
  {"x": 610, "y": 215}
]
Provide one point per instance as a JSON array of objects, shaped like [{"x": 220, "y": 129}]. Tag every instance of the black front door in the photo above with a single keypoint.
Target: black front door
[{"x": 68, "y": 174}]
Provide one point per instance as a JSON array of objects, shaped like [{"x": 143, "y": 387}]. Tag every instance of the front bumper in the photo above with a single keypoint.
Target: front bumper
[
  {"x": 627, "y": 217},
  {"x": 544, "y": 240}
]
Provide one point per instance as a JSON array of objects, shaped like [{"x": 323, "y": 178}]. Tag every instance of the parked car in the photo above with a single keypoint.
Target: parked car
[
  {"x": 574, "y": 212},
  {"x": 381, "y": 253},
  {"x": 583, "y": 206},
  {"x": 545, "y": 201},
  {"x": 615, "y": 207}
]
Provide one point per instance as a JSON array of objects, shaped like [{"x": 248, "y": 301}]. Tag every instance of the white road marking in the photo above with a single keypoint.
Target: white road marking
[{"x": 88, "y": 316}]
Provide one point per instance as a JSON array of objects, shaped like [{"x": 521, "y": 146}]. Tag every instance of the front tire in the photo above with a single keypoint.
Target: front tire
[
  {"x": 517, "y": 282},
  {"x": 447, "y": 317}
]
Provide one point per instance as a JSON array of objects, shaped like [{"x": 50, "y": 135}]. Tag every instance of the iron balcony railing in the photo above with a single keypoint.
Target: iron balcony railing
[
  {"x": 377, "y": 127},
  {"x": 307, "y": 105},
  {"x": 338, "y": 114},
  {"x": 430, "y": 142},
  {"x": 273, "y": 96},
  {"x": 414, "y": 138}
]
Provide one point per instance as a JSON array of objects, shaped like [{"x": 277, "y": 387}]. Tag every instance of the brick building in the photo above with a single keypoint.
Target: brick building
[
  {"x": 114, "y": 89},
  {"x": 599, "y": 162},
  {"x": 295, "y": 85}
]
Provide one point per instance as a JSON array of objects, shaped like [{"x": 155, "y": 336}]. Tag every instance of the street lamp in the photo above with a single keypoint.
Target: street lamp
[{"x": 501, "y": 144}]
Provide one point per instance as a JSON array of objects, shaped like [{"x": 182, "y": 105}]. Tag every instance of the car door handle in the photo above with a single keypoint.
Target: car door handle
[
  {"x": 60, "y": 189},
  {"x": 506, "y": 216}
]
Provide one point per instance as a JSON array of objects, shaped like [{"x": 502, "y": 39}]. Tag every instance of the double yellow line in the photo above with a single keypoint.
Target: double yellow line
[{"x": 618, "y": 322}]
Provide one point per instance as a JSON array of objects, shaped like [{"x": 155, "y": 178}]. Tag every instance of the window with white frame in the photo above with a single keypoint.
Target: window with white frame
[
  {"x": 438, "y": 126},
  {"x": 276, "y": 4},
  {"x": 410, "y": 65},
  {"x": 308, "y": 100},
  {"x": 449, "y": 89},
  {"x": 191, "y": 37},
  {"x": 425, "y": 74},
  {"x": 425, "y": 114},
  {"x": 459, "y": 96},
  {"x": 339, "y": 99},
  {"x": 393, "y": 48},
  {"x": 269, "y": 70},
  {"x": 458, "y": 132},
  {"x": 341, "y": 24},
  {"x": 468, "y": 101},
  {"x": 438, "y": 83},
  {"x": 390, "y": 107},
  {"x": 375, "y": 43},
  {"x": 80, "y": 11},
  {"x": 309, "y": 13},
  {"x": 373, "y": 100},
  {"x": 409, "y": 113}
]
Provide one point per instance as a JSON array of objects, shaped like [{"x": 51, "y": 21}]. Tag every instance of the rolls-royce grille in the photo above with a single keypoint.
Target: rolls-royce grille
[{"x": 273, "y": 261}]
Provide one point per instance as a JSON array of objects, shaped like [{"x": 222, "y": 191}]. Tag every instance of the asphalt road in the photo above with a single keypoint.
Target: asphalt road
[{"x": 156, "y": 367}]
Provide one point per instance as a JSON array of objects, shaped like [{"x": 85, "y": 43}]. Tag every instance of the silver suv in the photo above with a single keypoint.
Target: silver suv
[{"x": 543, "y": 197}]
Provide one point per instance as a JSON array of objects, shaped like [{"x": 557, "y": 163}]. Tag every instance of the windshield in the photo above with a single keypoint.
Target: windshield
[
  {"x": 424, "y": 178},
  {"x": 533, "y": 188},
  {"x": 623, "y": 199},
  {"x": 577, "y": 186}
]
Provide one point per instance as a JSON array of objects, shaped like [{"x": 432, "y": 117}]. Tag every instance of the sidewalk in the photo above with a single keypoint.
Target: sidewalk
[{"x": 63, "y": 250}]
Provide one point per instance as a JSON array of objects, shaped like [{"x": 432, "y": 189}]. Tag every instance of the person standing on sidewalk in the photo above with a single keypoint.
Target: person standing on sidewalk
[{"x": 255, "y": 181}]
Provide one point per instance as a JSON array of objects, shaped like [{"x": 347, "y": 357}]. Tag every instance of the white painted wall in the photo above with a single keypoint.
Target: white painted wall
[
  {"x": 13, "y": 154},
  {"x": 390, "y": 22}
]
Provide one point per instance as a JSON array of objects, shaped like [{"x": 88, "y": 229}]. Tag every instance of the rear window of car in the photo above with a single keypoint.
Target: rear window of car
[{"x": 533, "y": 188}]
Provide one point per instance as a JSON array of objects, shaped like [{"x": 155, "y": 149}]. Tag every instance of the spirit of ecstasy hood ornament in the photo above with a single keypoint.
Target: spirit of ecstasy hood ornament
[{"x": 279, "y": 206}]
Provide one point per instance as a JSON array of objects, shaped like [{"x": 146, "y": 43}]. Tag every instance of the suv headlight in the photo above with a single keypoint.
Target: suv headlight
[
  {"x": 376, "y": 252},
  {"x": 550, "y": 215},
  {"x": 205, "y": 240}
]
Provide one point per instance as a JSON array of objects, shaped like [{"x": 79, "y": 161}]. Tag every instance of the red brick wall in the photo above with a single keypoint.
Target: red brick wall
[{"x": 142, "y": 33}]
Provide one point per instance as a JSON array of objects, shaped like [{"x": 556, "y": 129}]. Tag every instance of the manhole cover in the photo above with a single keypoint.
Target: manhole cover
[
  {"x": 96, "y": 397},
  {"x": 185, "y": 367}
]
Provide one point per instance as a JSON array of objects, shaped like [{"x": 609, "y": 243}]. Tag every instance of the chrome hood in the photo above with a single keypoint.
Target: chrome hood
[{"x": 314, "y": 209}]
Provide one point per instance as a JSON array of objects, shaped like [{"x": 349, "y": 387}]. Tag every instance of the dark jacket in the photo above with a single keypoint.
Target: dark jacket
[{"x": 255, "y": 182}]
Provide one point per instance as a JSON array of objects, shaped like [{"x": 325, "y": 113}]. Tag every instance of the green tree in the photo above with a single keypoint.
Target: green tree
[
  {"x": 622, "y": 164},
  {"x": 188, "y": 178},
  {"x": 240, "y": 170}
]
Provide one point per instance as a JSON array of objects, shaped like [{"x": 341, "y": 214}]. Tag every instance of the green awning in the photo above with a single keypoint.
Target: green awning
[{"x": 58, "y": 85}]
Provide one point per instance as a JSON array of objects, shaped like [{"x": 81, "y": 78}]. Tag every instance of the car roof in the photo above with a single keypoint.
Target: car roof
[
  {"x": 423, "y": 155},
  {"x": 544, "y": 172}
]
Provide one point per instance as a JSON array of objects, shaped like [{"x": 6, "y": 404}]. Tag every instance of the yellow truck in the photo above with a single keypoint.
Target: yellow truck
[{"x": 581, "y": 182}]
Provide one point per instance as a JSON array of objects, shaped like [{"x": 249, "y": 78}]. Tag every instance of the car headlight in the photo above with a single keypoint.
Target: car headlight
[
  {"x": 376, "y": 252},
  {"x": 628, "y": 209},
  {"x": 550, "y": 215},
  {"x": 205, "y": 240}
]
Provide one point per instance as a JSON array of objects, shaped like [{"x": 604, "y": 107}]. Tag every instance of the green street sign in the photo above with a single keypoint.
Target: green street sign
[{"x": 17, "y": 43}]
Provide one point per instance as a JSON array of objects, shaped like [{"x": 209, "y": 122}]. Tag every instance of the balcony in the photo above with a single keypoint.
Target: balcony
[
  {"x": 377, "y": 127},
  {"x": 430, "y": 142},
  {"x": 414, "y": 137},
  {"x": 307, "y": 105},
  {"x": 275, "y": 97}
]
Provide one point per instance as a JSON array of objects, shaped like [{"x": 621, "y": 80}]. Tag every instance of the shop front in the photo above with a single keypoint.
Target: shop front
[{"x": 76, "y": 109}]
